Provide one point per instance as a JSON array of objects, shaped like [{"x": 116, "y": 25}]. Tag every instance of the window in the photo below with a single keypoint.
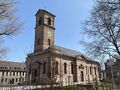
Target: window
[
  {"x": 71, "y": 68},
  {"x": 22, "y": 79},
  {"x": 49, "y": 42},
  {"x": 10, "y": 73},
  {"x": 2, "y": 73},
  {"x": 35, "y": 72},
  {"x": 16, "y": 79},
  {"x": 23, "y": 73},
  {"x": 82, "y": 76},
  {"x": 44, "y": 67},
  {"x": 65, "y": 68},
  {"x": 86, "y": 70},
  {"x": 20, "y": 73},
  {"x": 2, "y": 80},
  {"x": 40, "y": 21},
  {"x": 5, "y": 79},
  {"x": 16, "y": 73},
  {"x": 90, "y": 70},
  {"x": 49, "y": 21},
  {"x": 95, "y": 70},
  {"x": 56, "y": 68},
  {"x": 38, "y": 41},
  {"x": 19, "y": 79}
]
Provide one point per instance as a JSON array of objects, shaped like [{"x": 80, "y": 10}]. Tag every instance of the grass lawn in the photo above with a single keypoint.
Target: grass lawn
[{"x": 59, "y": 88}]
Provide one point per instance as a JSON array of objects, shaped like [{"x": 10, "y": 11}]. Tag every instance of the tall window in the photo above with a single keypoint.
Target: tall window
[
  {"x": 86, "y": 70},
  {"x": 90, "y": 70},
  {"x": 56, "y": 68},
  {"x": 40, "y": 21},
  {"x": 38, "y": 41},
  {"x": 44, "y": 67},
  {"x": 2, "y": 73},
  {"x": 49, "y": 21},
  {"x": 82, "y": 76},
  {"x": 65, "y": 68},
  {"x": 49, "y": 42},
  {"x": 95, "y": 70},
  {"x": 71, "y": 68}
]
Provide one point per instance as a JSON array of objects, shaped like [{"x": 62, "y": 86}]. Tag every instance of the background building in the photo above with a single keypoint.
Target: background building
[
  {"x": 12, "y": 73},
  {"x": 50, "y": 63},
  {"x": 116, "y": 71}
]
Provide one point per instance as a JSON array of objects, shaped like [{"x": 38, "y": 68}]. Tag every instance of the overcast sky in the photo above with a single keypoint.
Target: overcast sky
[{"x": 68, "y": 23}]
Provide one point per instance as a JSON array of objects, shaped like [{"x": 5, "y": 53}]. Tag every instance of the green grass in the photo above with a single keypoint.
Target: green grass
[{"x": 59, "y": 88}]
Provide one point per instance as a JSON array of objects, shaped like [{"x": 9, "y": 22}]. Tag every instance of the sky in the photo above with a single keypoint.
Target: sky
[{"x": 70, "y": 14}]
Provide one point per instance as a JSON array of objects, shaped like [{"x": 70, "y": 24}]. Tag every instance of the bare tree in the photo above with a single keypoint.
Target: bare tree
[
  {"x": 102, "y": 29},
  {"x": 10, "y": 24},
  {"x": 52, "y": 67}
]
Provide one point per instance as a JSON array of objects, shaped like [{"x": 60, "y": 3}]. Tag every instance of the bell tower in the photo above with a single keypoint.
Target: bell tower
[{"x": 44, "y": 30}]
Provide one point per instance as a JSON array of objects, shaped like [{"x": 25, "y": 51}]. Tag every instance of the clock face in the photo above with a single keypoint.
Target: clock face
[{"x": 49, "y": 34}]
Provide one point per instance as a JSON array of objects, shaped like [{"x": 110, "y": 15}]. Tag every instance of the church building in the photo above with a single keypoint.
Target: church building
[{"x": 54, "y": 64}]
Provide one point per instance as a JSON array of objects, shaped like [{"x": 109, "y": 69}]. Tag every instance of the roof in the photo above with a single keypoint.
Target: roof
[
  {"x": 12, "y": 64},
  {"x": 42, "y": 10},
  {"x": 73, "y": 53},
  {"x": 68, "y": 52}
]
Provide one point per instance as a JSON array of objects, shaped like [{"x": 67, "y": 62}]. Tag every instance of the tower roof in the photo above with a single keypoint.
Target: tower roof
[{"x": 44, "y": 11}]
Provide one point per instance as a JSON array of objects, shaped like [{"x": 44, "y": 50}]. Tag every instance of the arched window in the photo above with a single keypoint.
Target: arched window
[
  {"x": 49, "y": 42},
  {"x": 49, "y": 21},
  {"x": 56, "y": 68},
  {"x": 65, "y": 68},
  {"x": 71, "y": 68},
  {"x": 40, "y": 21},
  {"x": 44, "y": 67}
]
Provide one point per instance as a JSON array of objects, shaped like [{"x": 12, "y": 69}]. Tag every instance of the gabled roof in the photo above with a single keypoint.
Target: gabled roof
[
  {"x": 68, "y": 52},
  {"x": 73, "y": 53}
]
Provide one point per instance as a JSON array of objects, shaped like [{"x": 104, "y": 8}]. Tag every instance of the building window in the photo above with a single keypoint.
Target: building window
[
  {"x": 16, "y": 73},
  {"x": 6, "y": 73},
  {"x": 16, "y": 79},
  {"x": 10, "y": 73},
  {"x": 35, "y": 72},
  {"x": 2, "y": 73},
  {"x": 19, "y": 79},
  {"x": 90, "y": 70},
  {"x": 86, "y": 70},
  {"x": 40, "y": 21},
  {"x": 38, "y": 41},
  {"x": 44, "y": 67},
  {"x": 5, "y": 79},
  {"x": 82, "y": 76},
  {"x": 95, "y": 70},
  {"x": 2, "y": 80},
  {"x": 49, "y": 42},
  {"x": 56, "y": 68},
  {"x": 20, "y": 73},
  {"x": 23, "y": 73},
  {"x": 71, "y": 68},
  {"x": 65, "y": 68},
  {"x": 49, "y": 21}
]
